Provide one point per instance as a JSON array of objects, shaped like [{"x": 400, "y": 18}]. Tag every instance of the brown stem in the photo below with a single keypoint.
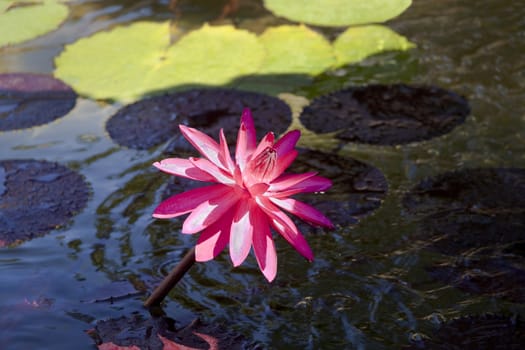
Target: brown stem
[{"x": 171, "y": 280}]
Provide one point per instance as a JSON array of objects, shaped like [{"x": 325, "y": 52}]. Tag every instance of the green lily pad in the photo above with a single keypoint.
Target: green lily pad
[
  {"x": 29, "y": 20},
  {"x": 357, "y": 43},
  {"x": 132, "y": 61},
  {"x": 336, "y": 13},
  {"x": 295, "y": 50}
]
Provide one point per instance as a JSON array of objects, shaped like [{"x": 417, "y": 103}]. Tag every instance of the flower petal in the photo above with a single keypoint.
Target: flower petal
[
  {"x": 241, "y": 233},
  {"x": 185, "y": 202},
  {"x": 282, "y": 163},
  {"x": 206, "y": 146},
  {"x": 209, "y": 211},
  {"x": 267, "y": 141},
  {"x": 224, "y": 153},
  {"x": 312, "y": 184},
  {"x": 218, "y": 174},
  {"x": 184, "y": 168},
  {"x": 246, "y": 139},
  {"x": 304, "y": 211},
  {"x": 263, "y": 245},
  {"x": 214, "y": 238},
  {"x": 285, "y": 226},
  {"x": 287, "y": 180},
  {"x": 287, "y": 143}
]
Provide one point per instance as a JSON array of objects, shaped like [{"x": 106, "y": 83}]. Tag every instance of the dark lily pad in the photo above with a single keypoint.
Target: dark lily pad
[
  {"x": 477, "y": 215},
  {"x": 154, "y": 333},
  {"x": 28, "y": 100},
  {"x": 477, "y": 332},
  {"x": 153, "y": 121},
  {"x": 386, "y": 114},
  {"x": 358, "y": 188},
  {"x": 484, "y": 190},
  {"x": 499, "y": 275},
  {"x": 37, "y": 197},
  {"x": 465, "y": 232}
]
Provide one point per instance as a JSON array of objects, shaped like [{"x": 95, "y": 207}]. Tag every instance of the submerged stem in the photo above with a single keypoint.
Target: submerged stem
[{"x": 171, "y": 280}]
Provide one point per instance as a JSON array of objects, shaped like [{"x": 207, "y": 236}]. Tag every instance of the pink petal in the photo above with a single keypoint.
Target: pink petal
[
  {"x": 185, "y": 202},
  {"x": 113, "y": 346},
  {"x": 312, "y": 184},
  {"x": 206, "y": 146},
  {"x": 214, "y": 238},
  {"x": 304, "y": 211},
  {"x": 263, "y": 245},
  {"x": 209, "y": 211},
  {"x": 184, "y": 168},
  {"x": 267, "y": 141},
  {"x": 285, "y": 226},
  {"x": 287, "y": 180},
  {"x": 241, "y": 233},
  {"x": 218, "y": 174},
  {"x": 246, "y": 139},
  {"x": 283, "y": 162},
  {"x": 258, "y": 189},
  {"x": 224, "y": 154},
  {"x": 287, "y": 143}
]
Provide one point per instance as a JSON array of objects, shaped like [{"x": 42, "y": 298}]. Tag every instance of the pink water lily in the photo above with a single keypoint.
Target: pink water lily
[{"x": 247, "y": 196}]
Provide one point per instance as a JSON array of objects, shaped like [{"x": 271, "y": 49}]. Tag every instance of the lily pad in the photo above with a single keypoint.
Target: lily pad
[
  {"x": 295, "y": 50},
  {"x": 136, "y": 60},
  {"x": 153, "y": 121},
  {"x": 357, "y": 43},
  {"x": 484, "y": 190},
  {"x": 464, "y": 232},
  {"x": 500, "y": 275},
  {"x": 160, "y": 333},
  {"x": 476, "y": 332},
  {"x": 478, "y": 215},
  {"x": 38, "y": 197},
  {"x": 18, "y": 24},
  {"x": 386, "y": 114},
  {"x": 28, "y": 100},
  {"x": 336, "y": 13},
  {"x": 358, "y": 188}
]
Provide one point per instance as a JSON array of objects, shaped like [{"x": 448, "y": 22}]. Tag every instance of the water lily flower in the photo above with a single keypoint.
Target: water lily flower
[{"x": 247, "y": 197}]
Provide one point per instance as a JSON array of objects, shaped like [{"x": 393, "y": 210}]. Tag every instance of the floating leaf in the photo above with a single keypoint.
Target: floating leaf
[
  {"x": 138, "y": 332},
  {"x": 461, "y": 232},
  {"x": 337, "y": 12},
  {"x": 485, "y": 190},
  {"x": 295, "y": 50},
  {"x": 477, "y": 332},
  {"x": 386, "y": 114},
  {"x": 136, "y": 60},
  {"x": 358, "y": 188},
  {"x": 28, "y": 99},
  {"x": 357, "y": 43},
  {"x": 500, "y": 275},
  {"x": 478, "y": 217},
  {"x": 155, "y": 120},
  {"x": 38, "y": 197},
  {"x": 29, "y": 20}
]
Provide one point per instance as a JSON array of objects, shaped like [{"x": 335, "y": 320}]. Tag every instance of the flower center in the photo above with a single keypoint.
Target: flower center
[{"x": 262, "y": 166}]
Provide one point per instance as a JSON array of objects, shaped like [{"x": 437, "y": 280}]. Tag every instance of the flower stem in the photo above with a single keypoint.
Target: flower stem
[{"x": 171, "y": 280}]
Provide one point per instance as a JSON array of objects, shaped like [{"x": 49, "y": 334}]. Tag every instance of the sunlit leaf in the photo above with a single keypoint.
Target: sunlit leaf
[
  {"x": 295, "y": 50},
  {"x": 357, "y": 43},
  {"x": 136, "y": 60},
  {"x": 337, "y": 12},
  {"x": 29, "y": 19}
]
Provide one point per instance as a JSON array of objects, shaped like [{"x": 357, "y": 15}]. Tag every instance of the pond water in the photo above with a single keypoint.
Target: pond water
[{"x": 385, "y": 282}]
